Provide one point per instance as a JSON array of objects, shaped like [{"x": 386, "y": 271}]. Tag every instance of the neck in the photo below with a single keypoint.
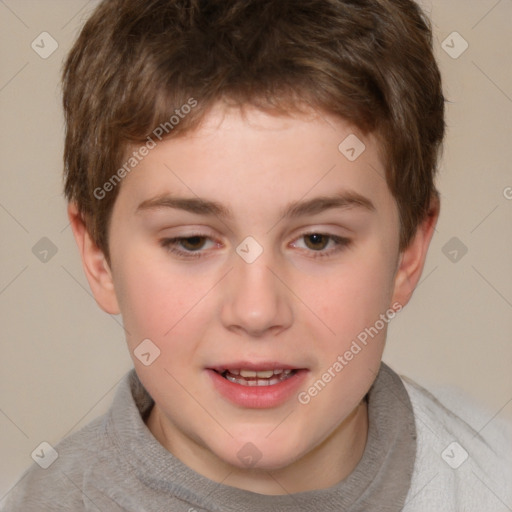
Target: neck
[{"x": 323, "y": 466}]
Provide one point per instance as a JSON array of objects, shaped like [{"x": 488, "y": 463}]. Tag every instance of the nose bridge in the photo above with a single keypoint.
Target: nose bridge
[{"x": 254, "y": 300}]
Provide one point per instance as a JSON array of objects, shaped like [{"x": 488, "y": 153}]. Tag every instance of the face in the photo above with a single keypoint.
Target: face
[{"x": 254, "y": 255}]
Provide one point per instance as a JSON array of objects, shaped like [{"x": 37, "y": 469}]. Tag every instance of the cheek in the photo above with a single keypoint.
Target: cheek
[
  {"x": 356, "y": 296},
  {"x": 160, "y": 306},
  {"x": 349, "y": 359},
  {"x": 154, "y": 300}
]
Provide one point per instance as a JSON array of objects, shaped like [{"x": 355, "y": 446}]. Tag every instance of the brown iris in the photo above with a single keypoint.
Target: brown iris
[
  {"x": 316, "y": 241},
  {"x": 193, "y": 243}
]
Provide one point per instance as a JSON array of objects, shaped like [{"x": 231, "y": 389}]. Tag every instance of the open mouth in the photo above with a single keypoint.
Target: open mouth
[
  {"x": 257, "y": 385},
  {"x": 257, "y": 377}
]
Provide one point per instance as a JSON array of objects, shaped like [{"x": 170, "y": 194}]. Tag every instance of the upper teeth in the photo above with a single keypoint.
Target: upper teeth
[{"x": 264, "y": 374}]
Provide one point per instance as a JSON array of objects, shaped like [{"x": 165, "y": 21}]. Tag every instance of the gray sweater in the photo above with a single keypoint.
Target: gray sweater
[{"x": 419, "y": 457}]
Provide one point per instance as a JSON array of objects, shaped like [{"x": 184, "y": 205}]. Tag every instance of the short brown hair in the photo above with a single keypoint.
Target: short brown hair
[{"x": 136, "y": 61}]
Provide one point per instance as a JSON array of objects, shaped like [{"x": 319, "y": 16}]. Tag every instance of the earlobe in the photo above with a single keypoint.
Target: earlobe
[
  {"x": 96, "y": 267},
  {"x": 412, "y": 259}
]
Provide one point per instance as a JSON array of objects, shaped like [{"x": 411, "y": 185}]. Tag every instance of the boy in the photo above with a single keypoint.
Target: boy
[{"x": 251, "y": 185}]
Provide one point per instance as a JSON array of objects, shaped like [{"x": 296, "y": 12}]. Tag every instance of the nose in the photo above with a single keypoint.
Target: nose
[{"x": 254, "y": 301}]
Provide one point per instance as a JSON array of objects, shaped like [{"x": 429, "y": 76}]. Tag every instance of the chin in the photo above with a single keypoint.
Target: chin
[{"x": 259, "y": 453}]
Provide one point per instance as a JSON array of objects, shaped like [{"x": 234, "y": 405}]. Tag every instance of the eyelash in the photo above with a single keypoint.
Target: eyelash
[{"x": 171, "y": 244}]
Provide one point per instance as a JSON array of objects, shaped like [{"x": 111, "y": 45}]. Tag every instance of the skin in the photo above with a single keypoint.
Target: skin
[{"x": 298, "y": 303}]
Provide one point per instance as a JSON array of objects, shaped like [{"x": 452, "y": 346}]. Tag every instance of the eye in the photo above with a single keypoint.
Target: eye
[
  {"x": 188, "y": 246},
  {"x": 321, "y": 244}
]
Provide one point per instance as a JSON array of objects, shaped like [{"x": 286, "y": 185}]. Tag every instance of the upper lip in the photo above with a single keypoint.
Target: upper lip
[{"x": 255, "y": 366}]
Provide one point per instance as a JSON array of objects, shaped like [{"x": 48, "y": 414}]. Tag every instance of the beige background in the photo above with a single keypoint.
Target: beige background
[{"x": 61, "y": 357}]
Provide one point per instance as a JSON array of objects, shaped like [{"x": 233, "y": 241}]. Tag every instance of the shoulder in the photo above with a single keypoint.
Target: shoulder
[
  {"x": 88, "y": 464},
  {"x": 58, "y": 486},
  {"x": 463, "y": 460}
]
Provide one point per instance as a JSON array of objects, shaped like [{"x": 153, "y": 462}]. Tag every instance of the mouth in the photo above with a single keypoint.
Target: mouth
[
  {"x": 257, "y": 378},
  {"x": 257, "y": 385}
]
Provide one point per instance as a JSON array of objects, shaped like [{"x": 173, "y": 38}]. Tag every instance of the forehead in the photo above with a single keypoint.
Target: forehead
[{"x": 249, "y": 157}]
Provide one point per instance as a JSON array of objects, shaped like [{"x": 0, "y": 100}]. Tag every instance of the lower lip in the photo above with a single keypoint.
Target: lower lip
[{"x": 258, "y": 397}]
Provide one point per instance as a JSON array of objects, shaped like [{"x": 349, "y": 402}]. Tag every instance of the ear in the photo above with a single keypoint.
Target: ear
[
  {"x": 412, "y": 259},
  {"x": 96, "y": 267}
]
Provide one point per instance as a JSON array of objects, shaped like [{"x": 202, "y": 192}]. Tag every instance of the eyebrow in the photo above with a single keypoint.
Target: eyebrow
[{"x": 198, "y": 206}]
